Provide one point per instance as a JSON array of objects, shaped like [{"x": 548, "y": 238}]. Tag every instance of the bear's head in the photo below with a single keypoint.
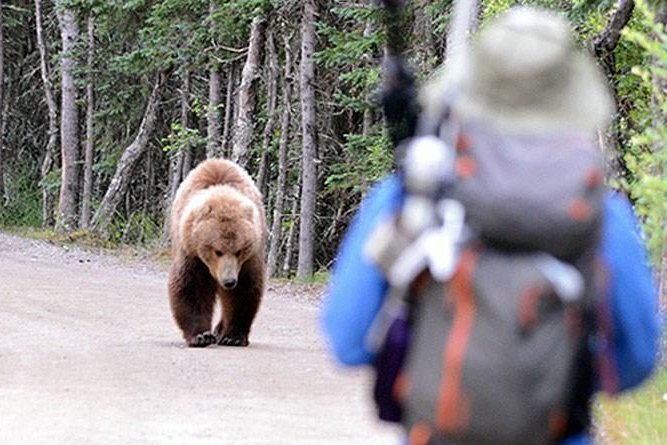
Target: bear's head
[{"x": 222, "y": 227}]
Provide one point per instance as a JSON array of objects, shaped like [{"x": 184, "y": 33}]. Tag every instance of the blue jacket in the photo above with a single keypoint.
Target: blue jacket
[{"x": 357, "y": 288}]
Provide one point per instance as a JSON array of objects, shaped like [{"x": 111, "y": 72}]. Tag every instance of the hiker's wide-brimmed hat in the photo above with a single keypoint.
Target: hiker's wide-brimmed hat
[{"x": 525, "y": 74}]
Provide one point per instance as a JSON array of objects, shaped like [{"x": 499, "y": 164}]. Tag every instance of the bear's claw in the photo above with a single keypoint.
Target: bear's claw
[
  {"x": 202, "y": 340},
  {"x": 233, "y": 340}
]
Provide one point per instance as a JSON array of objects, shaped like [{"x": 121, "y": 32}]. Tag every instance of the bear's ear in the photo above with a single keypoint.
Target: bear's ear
[
  {"x": 206, "y": 209},
  {"x": 250, "y": 213}
]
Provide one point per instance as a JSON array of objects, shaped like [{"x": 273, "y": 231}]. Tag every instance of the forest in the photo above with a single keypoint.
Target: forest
[{"x": 105, "y": 106}]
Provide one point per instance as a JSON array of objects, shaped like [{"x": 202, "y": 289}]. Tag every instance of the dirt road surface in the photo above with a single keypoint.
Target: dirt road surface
[{"x": 89, "y": 354}]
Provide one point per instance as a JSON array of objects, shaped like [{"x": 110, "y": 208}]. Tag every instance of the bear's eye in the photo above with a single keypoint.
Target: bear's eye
[{"x": 218, "y": 253}]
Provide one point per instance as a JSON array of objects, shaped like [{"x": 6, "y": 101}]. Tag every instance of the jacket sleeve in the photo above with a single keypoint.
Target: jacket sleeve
[
  {"x": 357, "y": 288},
  {"x": 635, "y": 321}
]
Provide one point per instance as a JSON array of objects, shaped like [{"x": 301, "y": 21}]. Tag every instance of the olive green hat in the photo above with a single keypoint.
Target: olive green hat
[{"x": 525, "y": 75}]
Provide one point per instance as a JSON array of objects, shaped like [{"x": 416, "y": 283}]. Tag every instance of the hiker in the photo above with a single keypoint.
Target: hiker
[{"x": 525, "y": 80}]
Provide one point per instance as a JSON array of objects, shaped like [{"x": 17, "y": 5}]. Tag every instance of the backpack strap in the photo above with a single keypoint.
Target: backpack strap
[
  {"x": 584, "y": 375},
  {"x": 452, "y": 409}
]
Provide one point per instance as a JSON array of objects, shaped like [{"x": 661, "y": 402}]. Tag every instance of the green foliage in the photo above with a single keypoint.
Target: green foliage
[
  {"x": 182, "y": 138},
  {"x": 345, "y": 45},
  {"x": 170, "y": 37},
  {"x": 51, "y": 182},
  {"x": 368, "y": 159},
  {"x": 648, "y": 158},
  {"x": 137, "y": 229},
  {"x": 493, "y": 8},
  {"x": 23, "y": 205},
  {"x": 439, "y": 13},
  {"x": 353, "y": 53}
]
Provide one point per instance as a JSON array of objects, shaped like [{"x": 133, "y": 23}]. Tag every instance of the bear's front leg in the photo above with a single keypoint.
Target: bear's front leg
[
  {"x": 192, "y": 297},
  {"x": 230, "y": 337},
  {"x": 232, "y": 330},
  {"x": 240, "y": 305}
]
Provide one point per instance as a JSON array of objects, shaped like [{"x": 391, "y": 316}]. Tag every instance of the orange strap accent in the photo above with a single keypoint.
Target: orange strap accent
[
  {"x": 594, "y": 178},
  {"x": 579, "y": 210},
  {"x": 401, "y": 387},
  {"x": 463, "y": 142},
  {"x": 453, "y": 410},
  {"x": 465, "y": 166},
  {"x": 420, "y": 434},
  {"x": 528, "y": 305}
]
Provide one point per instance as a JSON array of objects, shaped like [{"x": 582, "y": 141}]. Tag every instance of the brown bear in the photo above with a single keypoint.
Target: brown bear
[{"x": 218, "y": 237}]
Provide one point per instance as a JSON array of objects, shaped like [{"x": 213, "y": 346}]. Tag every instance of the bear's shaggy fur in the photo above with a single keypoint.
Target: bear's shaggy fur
[{"x": 218, "y": 237}]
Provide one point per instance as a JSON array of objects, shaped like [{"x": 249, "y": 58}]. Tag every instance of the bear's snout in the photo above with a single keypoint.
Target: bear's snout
[
  {"x": 229, "y": 283},
  {"x": 227, "y": 271}
]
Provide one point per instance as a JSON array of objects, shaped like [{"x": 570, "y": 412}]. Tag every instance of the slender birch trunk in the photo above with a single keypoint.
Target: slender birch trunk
[
  {"x": 213, "y": 126},
  {"x": 185, "y": 124},
  {"x": 271, "y": 98},
  {"x": 291, "y": 232},
  {"x": 69, "y": 122},
  {"x": 244, "y": 126},
  {"x": 48, "y": 198},
  {"x": 213, "y": 144},
  {"x": 275, "y": 235},
  {"x": 86, "y": 197},
  {"x": 229, "y": 107},
  {"x": 180, "y": 160},
  {"x": 309, "y": 148},
  {"x": 2, "y": 107}
]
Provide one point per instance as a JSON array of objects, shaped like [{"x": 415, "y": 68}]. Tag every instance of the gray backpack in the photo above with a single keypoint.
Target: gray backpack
[{"x": 495, "y": 351}]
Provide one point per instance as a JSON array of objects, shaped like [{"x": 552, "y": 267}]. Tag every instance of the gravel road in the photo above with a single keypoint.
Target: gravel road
[{"x": 89, "y": 354}]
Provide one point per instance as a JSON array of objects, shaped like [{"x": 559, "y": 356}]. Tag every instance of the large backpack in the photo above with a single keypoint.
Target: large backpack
[{"x": 498, "y": 352}]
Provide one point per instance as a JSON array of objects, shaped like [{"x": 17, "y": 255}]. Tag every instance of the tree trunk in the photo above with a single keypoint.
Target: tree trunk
[
  {"x": 604, "y": 47},
  {"x": 309, "y": 149},
  {"x": 604, "y": 44},
  {"x": 48, "y": 198},
  {"x": 185, "y": 125},
  {"x": 247, "y": 93},
  {"x": 69, "y": 122},
  {"x": 213, "y": 126},
  {"x": 283, "y": 145},
  {"x": 289, "y": 244},
  {"x": 2, "y": 107},
  {"x": 213, "y": 148},
  {"x": 149, "y": 203},
  {"x": 86, "y": 198},
  {"x": 131, "y": 155},
  {"x": 179, "y": 164},
  {"x": 271, "y": 93},
  {"x": 229, "y": 106},
  {"x": 370, "y": 60}
]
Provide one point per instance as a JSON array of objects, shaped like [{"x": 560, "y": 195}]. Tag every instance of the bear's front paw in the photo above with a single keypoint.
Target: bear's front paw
[
  {"x": 202, "y": 340},
  {"x": 234, "y": 340}
]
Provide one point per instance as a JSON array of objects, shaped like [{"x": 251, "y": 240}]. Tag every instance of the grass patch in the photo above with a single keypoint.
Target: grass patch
[
  {"x": 319, "y": 277},
  {"x": 80, "y": 238},
  {"x": 638, "y": 417},
  {"x": 86, "y": 240}
]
